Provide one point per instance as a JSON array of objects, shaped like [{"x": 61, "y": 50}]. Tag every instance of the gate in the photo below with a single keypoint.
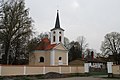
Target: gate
[{"x": 98, "y": 69}]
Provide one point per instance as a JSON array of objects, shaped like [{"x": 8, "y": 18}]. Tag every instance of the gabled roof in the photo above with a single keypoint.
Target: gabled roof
[
  {"x": 57, "y": 23},
  {"x": 60, "y": 46},
  {"x": 45, "y": 45}
]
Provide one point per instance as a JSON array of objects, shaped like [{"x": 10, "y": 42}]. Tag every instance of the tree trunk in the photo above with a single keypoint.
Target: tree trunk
[
  {"x": 115, "y": 57},
  {"x": 7, "y": 46}
]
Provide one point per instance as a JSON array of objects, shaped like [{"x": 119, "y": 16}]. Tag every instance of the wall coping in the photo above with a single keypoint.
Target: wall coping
[
  {"x": 115, "y": 65},
  {"x": 41, "y": 65}
]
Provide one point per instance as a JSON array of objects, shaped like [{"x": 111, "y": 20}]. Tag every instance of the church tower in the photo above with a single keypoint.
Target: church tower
[{"x": 57, "y": 33}]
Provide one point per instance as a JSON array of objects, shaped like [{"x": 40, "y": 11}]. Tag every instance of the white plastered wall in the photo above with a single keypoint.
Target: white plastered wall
[{"x": 57, "y": 34}]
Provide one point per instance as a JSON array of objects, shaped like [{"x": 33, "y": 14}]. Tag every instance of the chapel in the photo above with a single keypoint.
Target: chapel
[{"x": 51, "y": 52}]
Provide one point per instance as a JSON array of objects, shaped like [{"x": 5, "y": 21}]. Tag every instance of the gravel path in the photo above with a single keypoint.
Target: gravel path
[
  {"x": 81, "y": 78},
  {"x": 77, "y": 78}
]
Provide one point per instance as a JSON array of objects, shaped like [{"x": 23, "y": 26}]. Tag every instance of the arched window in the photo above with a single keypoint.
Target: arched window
[
  {"x": 60, "y": 38},
  {"x": 60, "y": 58},
  {"x": 59, "y": 32},
  {"x": 53, "y": 38},
  {"x": 41, "y": 59},
  {"x": 54, "y": 32}
]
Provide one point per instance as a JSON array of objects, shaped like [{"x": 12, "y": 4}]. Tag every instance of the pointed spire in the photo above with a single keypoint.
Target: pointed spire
[{"x": 57, "y": 24}]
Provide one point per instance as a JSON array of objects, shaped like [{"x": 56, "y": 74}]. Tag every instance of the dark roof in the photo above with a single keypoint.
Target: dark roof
[
  {"x": 77, "y": 62},
  {"x": 57, "y": 23},
  {"x": 96, "y": 61}
]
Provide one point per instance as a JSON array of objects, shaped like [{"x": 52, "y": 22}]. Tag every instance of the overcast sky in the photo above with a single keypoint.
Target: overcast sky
[{"x": 89, "y": 18}]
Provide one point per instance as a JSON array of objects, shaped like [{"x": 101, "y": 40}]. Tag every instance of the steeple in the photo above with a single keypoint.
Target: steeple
[
  {"x": 57, "y": 23},
  {"x": 57, "y": 33}
]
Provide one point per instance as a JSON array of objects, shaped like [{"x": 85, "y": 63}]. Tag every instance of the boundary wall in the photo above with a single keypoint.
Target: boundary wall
[
  {"x": 14, "y": 70},
  {"x": 116, "y": 70}
]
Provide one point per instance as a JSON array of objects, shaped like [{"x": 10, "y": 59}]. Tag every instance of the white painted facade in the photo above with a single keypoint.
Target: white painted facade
[
  {"x": 52, "y": 58},
  {"x": 86, "y": 67},
  {"x": 67, "y": 58},
  {"x": 57, "y": 33},
  {"x": 58, "y": 54},
  {"x": 109, "y": 67}
]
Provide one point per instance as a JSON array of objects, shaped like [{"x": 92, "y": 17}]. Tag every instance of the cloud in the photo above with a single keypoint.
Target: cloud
[
  {"x": 75, "y": 4},
  {"x": 90, "y": 18}
]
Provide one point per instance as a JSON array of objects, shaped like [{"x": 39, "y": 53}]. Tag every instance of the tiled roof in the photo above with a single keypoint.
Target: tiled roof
[
  {"x": 45, "y": 45},
  {"x": 49, "y": 47}
]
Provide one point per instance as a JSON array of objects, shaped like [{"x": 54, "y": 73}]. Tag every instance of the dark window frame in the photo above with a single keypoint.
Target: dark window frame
[
  {"x": 60, "y": 38},
  {"x": 42, "y": 59},
  {"x": 54, "y": 32},
  {"x": 59, "y": 32},
  {"x": 60, "y": 58},
  {"x": 53, "y": 38}
]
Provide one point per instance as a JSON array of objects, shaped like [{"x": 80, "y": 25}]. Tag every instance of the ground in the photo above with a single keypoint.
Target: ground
[
  {"x": 100, "y": 77},
  {"x": 54, "y": 77},
  {"x": 83, "y": 78}
]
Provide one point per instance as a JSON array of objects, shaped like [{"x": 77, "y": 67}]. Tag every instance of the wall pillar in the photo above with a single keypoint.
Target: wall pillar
[
  {"x": 109, "y": 69},
  {"x": 0, "y": 70},
  {"x": 52, "y": 58},
  {"x": 67, "y": 58},
  {"x": 24, "y": 70},
  {"x": 44, "y": 70},
  {"x": 60, "y": 69},
  {"x": 70, "y": 69},
  {"x": 86, "y": 68}
]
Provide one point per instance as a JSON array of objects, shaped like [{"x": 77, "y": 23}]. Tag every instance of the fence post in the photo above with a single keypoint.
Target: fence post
[
  {"x": 24, "y": 70},
  {"x": 109, "y": 69},
  {"x": 44, "y": 70},
  {"x": 70, "y": 69},
  {"x": 60, "y": 69},
  {"x": 0, "y": 70},
  {"x": 86, "y": 68}
]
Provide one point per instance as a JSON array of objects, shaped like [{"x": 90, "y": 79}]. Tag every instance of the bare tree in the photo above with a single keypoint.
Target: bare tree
[
  {"x": 32, "y": 43},
  {"x": 76, "y": 48},
  {"x": 66, "y": 42},
  {"x": 82, "y": 42},
  {"x": 111, "y": 45},
  {"x": 16, "y": 28}
]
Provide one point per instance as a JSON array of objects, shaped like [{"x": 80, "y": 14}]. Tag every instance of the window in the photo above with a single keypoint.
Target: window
[
  {"x": 60, "y": 38},
  {"x": 53, "y": 38},
  {"x": 92, "y": 64},
  {"x": 41, "y": 59},
  {"x": 59, "y": 32},
  {"x": 54, "y": 32},
  {"x": 60, "y": 58}
]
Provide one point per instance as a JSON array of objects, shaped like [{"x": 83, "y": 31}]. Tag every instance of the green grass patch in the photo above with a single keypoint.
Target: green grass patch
[
  {"x": 76, "y": 75},
  {"x": 112, "y": 78},
  {"x": 98, "y": 73}
]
